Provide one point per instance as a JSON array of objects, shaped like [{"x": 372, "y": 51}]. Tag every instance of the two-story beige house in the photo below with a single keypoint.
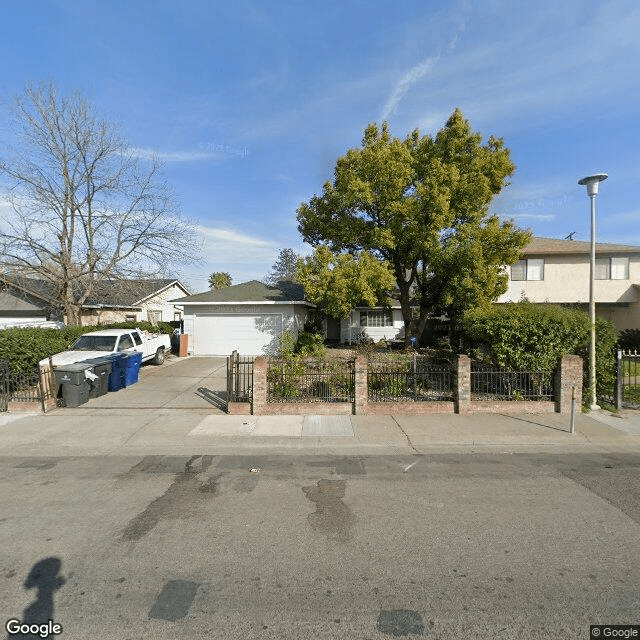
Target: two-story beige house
[{"x": 558, "y": 271}]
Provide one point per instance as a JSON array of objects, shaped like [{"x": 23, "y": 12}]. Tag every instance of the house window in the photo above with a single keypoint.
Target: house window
[
  {"x": 529, "y": 269},
  {"x": 612, "y": 269},
  {"x": 381, "y": 318},
  {"x": 129, "y": 318},
  {"x": 154, "y": 316}
]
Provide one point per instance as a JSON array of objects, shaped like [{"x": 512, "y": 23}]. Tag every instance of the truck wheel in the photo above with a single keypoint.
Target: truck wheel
[{"x": 159, "y": 357}]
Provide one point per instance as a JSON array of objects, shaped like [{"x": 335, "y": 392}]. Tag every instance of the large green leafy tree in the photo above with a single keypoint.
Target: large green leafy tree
[
  {"x": 339, "y": 282},
  {"x": 422, "y": 205}
]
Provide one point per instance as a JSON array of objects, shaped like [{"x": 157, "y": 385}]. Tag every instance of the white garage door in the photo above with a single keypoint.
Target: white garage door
[{"x": 219, "y": 335}]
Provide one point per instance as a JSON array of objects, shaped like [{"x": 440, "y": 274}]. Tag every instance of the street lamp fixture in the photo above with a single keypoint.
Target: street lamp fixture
[{"x": 592, "y": 182}]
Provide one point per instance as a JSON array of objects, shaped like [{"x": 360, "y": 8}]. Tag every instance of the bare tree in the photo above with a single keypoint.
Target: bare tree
[{"x": 85, "y": 208}]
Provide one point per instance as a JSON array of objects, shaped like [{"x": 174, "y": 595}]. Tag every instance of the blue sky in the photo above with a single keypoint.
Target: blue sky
[{"x": 250, "y": 103}]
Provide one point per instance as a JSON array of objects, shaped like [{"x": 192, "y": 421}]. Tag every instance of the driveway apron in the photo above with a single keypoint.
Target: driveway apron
[{"x": 189, "y": 383}]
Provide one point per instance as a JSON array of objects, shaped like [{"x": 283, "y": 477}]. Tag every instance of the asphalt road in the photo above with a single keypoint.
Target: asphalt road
[{"x": 435, "y": 546}]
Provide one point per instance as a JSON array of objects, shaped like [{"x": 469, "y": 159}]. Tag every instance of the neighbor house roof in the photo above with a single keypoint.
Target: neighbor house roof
[
  {"x": 118, "y": 293},
  {"x": 546, "y": 246},
  {"x": 246, "y": 293},
  {"x": 129, "y": 293}
]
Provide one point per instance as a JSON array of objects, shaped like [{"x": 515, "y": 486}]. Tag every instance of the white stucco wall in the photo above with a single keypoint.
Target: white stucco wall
[
  {"x": 566, "y": 279},
  {"x": 350, "y": 327},
  {"x": 160, "y": 303}
]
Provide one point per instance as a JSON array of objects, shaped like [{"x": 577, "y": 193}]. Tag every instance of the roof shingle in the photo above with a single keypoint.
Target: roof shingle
[{"x": 252, "y": 291}]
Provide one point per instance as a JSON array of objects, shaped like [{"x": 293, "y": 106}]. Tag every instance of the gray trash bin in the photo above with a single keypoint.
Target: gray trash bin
[
  {"x": 101, "y": 367},
  {"x": 76, "y": 387}
]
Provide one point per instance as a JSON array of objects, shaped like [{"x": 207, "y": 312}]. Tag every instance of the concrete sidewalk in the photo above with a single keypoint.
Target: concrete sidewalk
[{"x": 179, "y": 430}]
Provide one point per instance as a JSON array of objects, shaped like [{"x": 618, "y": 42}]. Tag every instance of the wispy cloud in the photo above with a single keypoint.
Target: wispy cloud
[
  {"x": 414, "y": 75},
  {"x": 208, "y": 152},
  {"x": 534, "y": 216}
]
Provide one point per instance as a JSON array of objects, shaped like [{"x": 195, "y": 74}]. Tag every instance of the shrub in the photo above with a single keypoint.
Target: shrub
[
  {"x": 629, "y": 339},
  {"x": 310, "y": 344},
  {"x": 525, "y": 336},
  {"x": 531, "y": 337},
  {"x": 606, "y": 341}
]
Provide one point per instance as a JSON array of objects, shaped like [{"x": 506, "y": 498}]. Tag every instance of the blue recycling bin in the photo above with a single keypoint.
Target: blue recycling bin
[
  {"x": 133, "y": 364},
  {"x": 118, "y": 370}
]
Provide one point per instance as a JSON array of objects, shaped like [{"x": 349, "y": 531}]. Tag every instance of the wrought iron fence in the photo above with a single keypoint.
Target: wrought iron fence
[
  {"x": 490, "y": 382},
  {"x": 628, "y": 380},
  {"x": 239, "y": 378},
  {"x": 310, "y": 381},
  {"x": 25, "y": 386},
  {"x": 411, "y": 379}
]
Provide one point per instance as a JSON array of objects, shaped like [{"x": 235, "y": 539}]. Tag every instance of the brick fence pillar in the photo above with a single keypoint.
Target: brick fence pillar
[
  {"x": 260, "y": 365},
  {"x": 462, "y": 389},
  {"x": 361, "y": 392},
  {"x": 568, "y": 375}
]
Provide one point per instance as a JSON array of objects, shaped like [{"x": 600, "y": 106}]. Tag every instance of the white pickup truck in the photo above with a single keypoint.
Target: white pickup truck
[{"x": 98, "y": 343}]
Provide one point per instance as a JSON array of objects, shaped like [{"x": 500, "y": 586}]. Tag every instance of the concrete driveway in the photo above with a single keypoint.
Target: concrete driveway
[{"x": 180, "y": 383}]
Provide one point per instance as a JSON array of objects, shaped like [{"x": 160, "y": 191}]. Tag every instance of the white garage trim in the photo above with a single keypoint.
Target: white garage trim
[{"x": 219, "y": 334}]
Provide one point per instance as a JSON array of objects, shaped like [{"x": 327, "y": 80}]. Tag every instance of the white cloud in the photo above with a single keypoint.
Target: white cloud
[
  {"x": 534, "y": 216},
  {"x": 244, "y": 256},
  {"x": 415, "y": 74},
  {"x": 211, "y": 151},
  {"x": 170, "y": 156}
]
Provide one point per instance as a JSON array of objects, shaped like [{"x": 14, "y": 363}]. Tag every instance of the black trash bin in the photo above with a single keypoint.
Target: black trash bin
[
  {"x": 101, "y": 368},
  {"x": 76, "y": 385}
]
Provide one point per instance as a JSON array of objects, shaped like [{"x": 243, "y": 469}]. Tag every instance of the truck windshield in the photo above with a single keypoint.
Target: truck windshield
[{"x": 94, "y": 343}]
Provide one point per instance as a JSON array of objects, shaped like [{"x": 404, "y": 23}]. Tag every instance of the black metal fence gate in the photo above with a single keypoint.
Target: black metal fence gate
[
  {"x": 628, "y": 379},
  {"x": 239, "y": 378},
  {"x": 35, "y": 386}
]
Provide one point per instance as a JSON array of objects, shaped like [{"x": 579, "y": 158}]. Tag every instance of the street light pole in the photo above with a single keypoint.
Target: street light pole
[{"x": 591, "y": 182}]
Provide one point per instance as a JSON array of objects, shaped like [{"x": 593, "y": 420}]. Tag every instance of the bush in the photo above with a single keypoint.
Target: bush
[
  {"x": 525, "y": 336},
  {"x": 24, "y": 348},
  {"x": 310, "y": 344},
  {"x": 606, "y": 341},
  {"x": 629, "y": 339}
]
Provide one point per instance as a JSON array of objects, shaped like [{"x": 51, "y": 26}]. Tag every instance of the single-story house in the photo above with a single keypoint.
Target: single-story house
[
  {"x": 248, "y": 318},
  {"x": 29, "y": 301},
  {"x": 377, "y": 323},
  {"x": 134, "y": 301}
]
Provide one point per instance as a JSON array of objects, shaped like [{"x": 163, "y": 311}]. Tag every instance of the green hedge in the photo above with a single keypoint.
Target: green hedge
[
  {"x": 629, "y": 339},
  {"x": 532, "y": 337},
  {"x": 24, "y": 348},
  {"x": 606, "y": 342}
]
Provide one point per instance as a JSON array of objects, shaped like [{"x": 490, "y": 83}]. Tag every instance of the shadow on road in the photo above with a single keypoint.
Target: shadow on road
[
  {"x": 217, "y": 398},
  {"x": 43, "y": 577},
  {"x": 537, "y": 424}
]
